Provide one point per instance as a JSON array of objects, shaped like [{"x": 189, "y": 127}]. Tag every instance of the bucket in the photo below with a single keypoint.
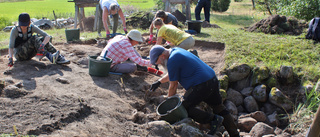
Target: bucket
[
  {"x": 194, "y": 25},
  {"x": 72, "y": 34},
  {"x": 171, "y": 110},
  {"x": 99, "y": 68}
]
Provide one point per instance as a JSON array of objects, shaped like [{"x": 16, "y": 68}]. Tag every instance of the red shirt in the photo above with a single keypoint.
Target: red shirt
[{"x": 120, "y": 49}]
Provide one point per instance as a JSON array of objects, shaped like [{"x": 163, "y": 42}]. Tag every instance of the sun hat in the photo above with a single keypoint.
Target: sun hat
[
  {"x": 155, "y": 52},
  {"x": 135, "y": 35},
  {"x": 24, "y": 19}
]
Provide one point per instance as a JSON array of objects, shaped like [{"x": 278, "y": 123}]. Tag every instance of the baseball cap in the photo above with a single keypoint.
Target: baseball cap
[
  {"x": 155, "y": 52},
  {"x": 24, "y": 19},
  {"x": 135, "y": 35}
]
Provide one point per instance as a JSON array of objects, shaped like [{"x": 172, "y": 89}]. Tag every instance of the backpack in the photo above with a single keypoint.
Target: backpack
[{"x": 314, "y": 29}]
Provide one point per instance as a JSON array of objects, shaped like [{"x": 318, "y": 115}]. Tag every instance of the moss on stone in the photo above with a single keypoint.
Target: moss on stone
[{"x": 224, "y": 82}]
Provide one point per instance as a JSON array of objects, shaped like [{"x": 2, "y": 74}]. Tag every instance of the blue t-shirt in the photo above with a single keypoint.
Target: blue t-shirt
[{"x": 188, "y": 69}]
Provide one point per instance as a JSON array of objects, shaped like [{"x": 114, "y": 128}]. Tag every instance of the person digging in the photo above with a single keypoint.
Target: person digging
[
  {"x": 174, "y": 35},
  {"x": 112, "y": 8},
  {"x": 200, "y": 82},
  {"x": 24, "y": 45}
]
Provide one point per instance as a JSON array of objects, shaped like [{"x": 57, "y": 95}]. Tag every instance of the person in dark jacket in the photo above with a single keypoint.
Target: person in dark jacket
[{"x": 24, "y": 45}]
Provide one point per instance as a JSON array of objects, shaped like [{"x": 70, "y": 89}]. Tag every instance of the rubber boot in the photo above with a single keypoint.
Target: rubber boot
[{"x": 230, "y": 126}]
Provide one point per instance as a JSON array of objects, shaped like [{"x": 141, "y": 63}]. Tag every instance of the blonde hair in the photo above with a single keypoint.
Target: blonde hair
[{"x": 158, "y": 22}]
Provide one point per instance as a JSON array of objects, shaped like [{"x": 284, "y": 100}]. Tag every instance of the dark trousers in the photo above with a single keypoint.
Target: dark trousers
[
  {"x": 206, "y": 4},
  {"x": 208, "y": 92}
]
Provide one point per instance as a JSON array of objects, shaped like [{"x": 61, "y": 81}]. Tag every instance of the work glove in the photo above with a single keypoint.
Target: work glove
[
  {"x": 125, "y": 30},
  {"x": 150, "y": 37},
  {"x": 41, "y": 49},
  {"x": 10, "y": 64},
  {"x": 155, "y": 85}
]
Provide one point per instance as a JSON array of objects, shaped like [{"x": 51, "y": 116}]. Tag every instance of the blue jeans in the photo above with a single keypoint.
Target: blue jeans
[{"x": 206, "y": 4}]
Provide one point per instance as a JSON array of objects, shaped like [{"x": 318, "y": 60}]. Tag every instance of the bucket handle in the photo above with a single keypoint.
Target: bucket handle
[{"x": 181, "y": 100}]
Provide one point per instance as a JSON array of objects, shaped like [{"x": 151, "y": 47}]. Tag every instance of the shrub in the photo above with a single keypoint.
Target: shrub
[{"x": 220, "y": 5}]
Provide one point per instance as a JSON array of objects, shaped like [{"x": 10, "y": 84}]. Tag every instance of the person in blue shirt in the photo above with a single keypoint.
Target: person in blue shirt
[{"x": 200, "y": 82}]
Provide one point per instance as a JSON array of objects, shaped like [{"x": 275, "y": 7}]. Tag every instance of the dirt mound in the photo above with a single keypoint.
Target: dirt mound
[
  {"x": 140, "y": 19},
  {"x": 277, "y": 24},
  {"x": 206, "y": 24},
  {"x": 88, "y": 23}
]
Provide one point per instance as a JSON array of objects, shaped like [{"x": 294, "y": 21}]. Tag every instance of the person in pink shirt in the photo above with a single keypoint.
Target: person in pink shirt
[{"x": 120, "y": 49}]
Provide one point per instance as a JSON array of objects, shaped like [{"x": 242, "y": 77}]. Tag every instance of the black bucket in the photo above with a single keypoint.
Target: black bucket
[
  {"x": 194, "y": 25},
  {"x": 172, "y": 110}
]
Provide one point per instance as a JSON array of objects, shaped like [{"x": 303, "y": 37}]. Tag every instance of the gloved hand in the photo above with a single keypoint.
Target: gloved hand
[
  {"x": 155, "y": 85},
  {"x": 41, "y": 49},
  {"x": 108, "y": 34},
  {"x": 125, "y": 30},
  {"x": 10, "y": 64},
  {"x": 150, "y": 37}
]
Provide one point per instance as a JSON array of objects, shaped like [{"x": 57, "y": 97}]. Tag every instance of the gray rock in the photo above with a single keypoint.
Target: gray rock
[
  {"x": 260, "y": 129},
  {"x": 234, "y": 96},
  {"x": 238, "y": 72},
  {"x": 277, "y": 98},
  {"x": 250, "y": 104},
  {"x": 247, "y": 91},
  {"x": 231, "y": 107},
  {"x": 260, "y": 93},
  {"x": 246, "y": 123},
  {"x": 160, "y": 128},
  {"x": 273, "y": 119}
]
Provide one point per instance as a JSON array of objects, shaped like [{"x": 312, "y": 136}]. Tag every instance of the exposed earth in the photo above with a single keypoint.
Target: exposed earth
[{"x": 45, "y": 99}]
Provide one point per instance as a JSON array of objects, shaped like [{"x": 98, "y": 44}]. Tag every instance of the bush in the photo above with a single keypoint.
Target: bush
[
  {"x": 301, "y": 9},
  {"x": 220, "y": 5},
  {"x": 4, "y": 22},
  {"x": 237, "y": 0}
]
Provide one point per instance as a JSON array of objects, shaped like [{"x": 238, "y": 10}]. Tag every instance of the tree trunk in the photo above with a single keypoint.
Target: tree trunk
[{"x": 253, "y": 5}]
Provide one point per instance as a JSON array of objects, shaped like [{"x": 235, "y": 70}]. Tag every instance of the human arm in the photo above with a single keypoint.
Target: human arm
[
  {"x": 156, "y": 84},
  {"x": 123, "y": 20},
  {"x": 105, "y": 17},
  {"x": 173, "y": 88},
  {"x": 159, "y": 40}
]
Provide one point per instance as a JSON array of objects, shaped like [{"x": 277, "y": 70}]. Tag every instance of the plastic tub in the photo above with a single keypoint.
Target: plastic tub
[
  {"x": 194, "y": 25},
  {"x": 171, "y": 110},
  {"x": 72, "y": 34},
  {"x": 99, "y": 68}
]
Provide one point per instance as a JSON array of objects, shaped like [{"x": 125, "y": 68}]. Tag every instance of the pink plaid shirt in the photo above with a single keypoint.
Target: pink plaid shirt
[{"x": 120, "y": 49}]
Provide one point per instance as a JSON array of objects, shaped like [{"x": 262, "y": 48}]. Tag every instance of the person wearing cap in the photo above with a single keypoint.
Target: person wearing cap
[
  {"x": 24, "y": 45},
  {"x": 200, "y": 82},
  {"x": 120, "y": 49},
  {"x": 112, "y": 7},
  {"x": 175, "y": 36},
  {"x": 167, "y": 18}
]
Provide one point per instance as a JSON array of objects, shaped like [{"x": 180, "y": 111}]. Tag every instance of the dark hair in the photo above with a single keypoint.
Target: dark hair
[
  {"x": 158, "y": 21},
  {"x": 161, "y": 14},
  {"x": 114, "y": 6}
]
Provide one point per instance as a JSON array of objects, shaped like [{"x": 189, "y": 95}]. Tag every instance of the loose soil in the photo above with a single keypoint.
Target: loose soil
[{"x": 45, "y": 99}]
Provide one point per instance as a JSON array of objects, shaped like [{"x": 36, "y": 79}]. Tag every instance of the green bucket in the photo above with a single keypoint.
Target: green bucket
[
  {"x": 172, "y": 110},
  {"x": 194, "y": 25},
  {"x": 72, "y": 34},
  {"x": 99, "y": 68}
]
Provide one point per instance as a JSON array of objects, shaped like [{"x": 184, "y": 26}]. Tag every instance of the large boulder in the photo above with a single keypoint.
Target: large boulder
[
  {"x": 277, "y": 98},
  {"x": 238, "y": 72},
  {"x": 250, "y": 104},
  {"x": 234, "y": 96}
]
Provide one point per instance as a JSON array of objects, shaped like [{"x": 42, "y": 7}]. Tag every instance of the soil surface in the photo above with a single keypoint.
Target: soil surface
[{"x": 45, "y": 99}]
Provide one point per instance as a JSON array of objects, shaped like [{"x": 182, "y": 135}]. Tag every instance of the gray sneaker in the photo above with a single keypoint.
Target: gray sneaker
[
  {"x": 62, "y": 60},
  {"x": 54, "y": 57},
  {"x": 215, "y": 123}
]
